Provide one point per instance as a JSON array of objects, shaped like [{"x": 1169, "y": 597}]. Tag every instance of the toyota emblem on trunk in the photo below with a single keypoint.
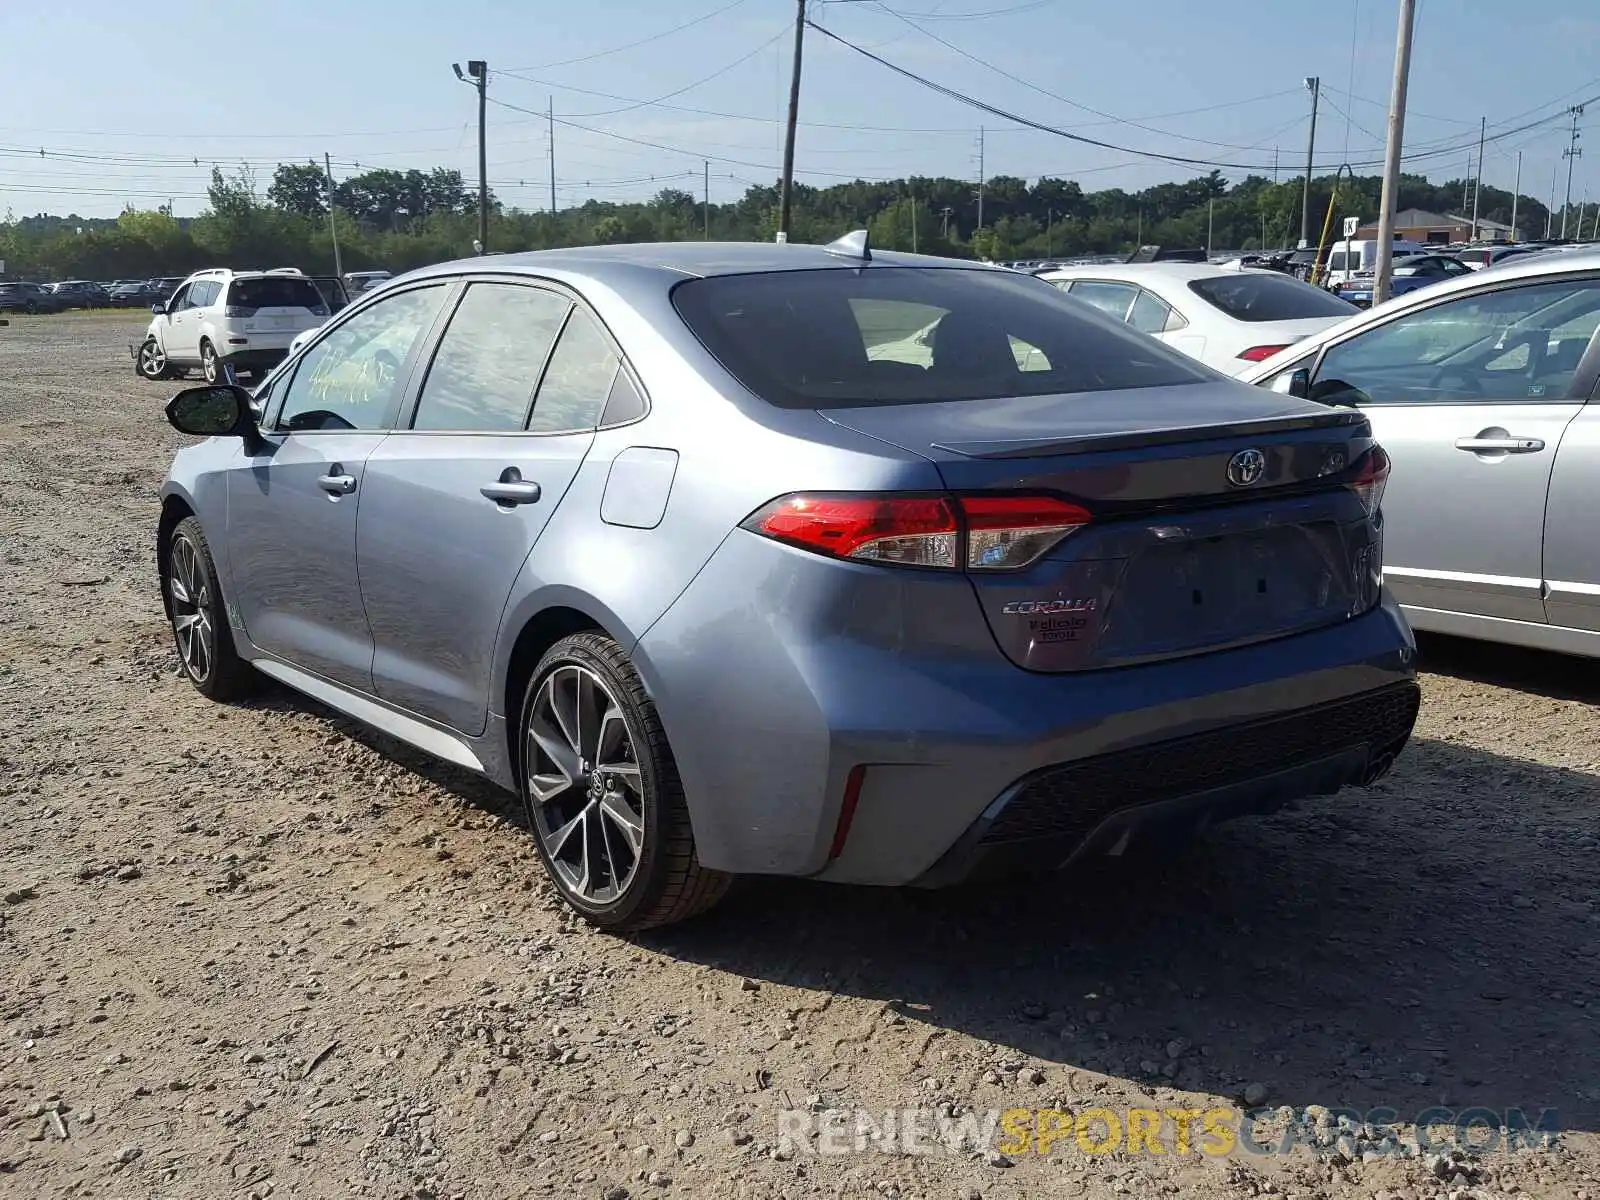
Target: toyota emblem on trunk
[{"x": 1246, "y": 467}]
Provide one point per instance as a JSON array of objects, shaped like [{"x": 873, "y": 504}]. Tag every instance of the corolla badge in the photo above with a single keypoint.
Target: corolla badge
[{"x": 1246, "y": 467}]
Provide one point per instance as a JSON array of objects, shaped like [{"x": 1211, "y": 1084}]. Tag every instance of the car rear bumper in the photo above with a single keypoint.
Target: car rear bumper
[
  {"x": 775, "y": 683},
  {"x": 254, "y": 358}
]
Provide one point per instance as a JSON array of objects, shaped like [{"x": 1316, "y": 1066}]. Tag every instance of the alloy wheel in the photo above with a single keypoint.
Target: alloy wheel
[
  {"x": 208, "y": 363},
  {"x": 152, "y": 359},
  {"x": 190, "y": 590},
  {"x": 584, "y": 784}
]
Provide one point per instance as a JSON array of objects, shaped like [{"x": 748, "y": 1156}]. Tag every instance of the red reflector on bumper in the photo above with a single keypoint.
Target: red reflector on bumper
[{"x": 847, "y": 809}]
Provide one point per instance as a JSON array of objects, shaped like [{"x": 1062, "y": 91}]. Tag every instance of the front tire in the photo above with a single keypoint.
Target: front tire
[
  {"x": 151, "y": 362},
  {"x": 604, "y": 799},
  {"x": 210, "y": 364},
  {"x": 199, "y": 621}
]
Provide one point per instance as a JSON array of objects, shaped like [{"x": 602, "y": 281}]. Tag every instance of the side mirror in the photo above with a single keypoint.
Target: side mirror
[
  {"x": 159, "y": 308},
  {"x": 222, "y": 410},
  {"x": 1295, "y": 383}
]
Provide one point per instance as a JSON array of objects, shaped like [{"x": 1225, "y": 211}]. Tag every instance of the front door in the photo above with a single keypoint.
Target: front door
[
  {"x": 455, "y": 504},
  {"x": 180, "y": 335},
  {"x": 1470, "y": 397},
  {"x": 293, "y": 503}
]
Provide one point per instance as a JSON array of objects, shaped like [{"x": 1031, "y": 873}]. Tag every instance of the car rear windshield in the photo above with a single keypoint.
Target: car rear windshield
[
  {"x": 274, "y": 292},
  {"x": 1268, "y": 296},
  {"x": 889, "y": 335}
]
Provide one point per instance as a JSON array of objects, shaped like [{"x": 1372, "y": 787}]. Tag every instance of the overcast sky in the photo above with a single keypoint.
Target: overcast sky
[{"x": 124, "y": 98}]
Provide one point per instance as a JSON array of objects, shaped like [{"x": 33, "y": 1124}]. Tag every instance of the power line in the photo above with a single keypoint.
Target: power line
[
  {"x": 644, "y": 41},
  {"x": 719, "y": 72},
  {"x": 1032, "y": 86},
  {"x": 978, "y": 16}
]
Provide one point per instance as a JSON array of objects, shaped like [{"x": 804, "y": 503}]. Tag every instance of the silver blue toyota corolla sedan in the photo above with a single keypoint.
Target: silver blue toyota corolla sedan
[{"x": 795, "y": 560}]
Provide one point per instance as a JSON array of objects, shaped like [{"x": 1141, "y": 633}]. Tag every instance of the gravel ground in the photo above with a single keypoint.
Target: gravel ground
[{"x": 259, "y": 951}]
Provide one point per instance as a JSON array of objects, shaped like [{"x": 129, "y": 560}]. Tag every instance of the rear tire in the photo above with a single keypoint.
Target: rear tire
[
  {"x": 210, "y": 364},
  {"x": 200, "y": 627},
  {"x": 605, "y": 802}
]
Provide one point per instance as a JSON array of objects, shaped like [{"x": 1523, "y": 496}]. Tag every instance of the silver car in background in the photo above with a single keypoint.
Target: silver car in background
[
  {"x": 656, "y": 537},
  {"x": 1484, "y": 392}
]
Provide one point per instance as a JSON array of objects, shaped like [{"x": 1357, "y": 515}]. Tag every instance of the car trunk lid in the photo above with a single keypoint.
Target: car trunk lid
[{"x": 1222, "y": 516}]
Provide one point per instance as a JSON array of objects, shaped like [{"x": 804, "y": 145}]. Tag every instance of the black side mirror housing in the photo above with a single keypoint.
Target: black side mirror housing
[
  {"x": 1295, "y": 383},
  {"x": 216, "y": 410}
]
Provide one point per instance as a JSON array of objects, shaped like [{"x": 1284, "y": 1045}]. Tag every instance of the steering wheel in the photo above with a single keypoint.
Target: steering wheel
[{"x": 1471, "y": 386}]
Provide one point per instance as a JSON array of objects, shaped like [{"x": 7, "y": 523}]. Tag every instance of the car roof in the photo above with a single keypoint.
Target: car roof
[{"x": 692, "y": 260}]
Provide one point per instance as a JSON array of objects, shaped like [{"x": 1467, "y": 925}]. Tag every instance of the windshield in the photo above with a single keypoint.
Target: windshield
[
  {"x": 1268, "y": 296},
  {"x": 274, "y": 291},
  {"x": 912, "y": 335}
]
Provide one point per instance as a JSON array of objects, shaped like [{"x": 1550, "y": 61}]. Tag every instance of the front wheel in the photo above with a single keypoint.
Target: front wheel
[
  {"x": 603, "y": 794},
  {"x": 210, "y": 364},
  {"x": 199, "y": 622},
  {"x": 151, "y": 362}
]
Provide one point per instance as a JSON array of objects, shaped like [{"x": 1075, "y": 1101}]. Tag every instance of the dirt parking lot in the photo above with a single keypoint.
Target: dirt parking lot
[{"x": 258, "y": 951}]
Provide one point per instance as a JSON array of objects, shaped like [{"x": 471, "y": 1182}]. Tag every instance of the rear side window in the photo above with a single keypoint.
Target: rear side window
[
  {"x": 1150, "y": 314},
  {"x": 1110, "y": 298},
  {"x": 488, "y": 362},
  {"x": 279, "y": 291},
  {"x": 1268, "y": 296},
  {"x": 577, "y": 383},
  {"x": 909, "y": 335}
]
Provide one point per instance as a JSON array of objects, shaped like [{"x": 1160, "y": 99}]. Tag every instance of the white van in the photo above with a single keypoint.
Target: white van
[{"x": 1359, "y": 256}]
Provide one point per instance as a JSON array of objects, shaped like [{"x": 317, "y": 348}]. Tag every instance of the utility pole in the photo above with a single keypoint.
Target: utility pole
[
  {"x": 478, "y": 72},
  {"x": 1550, "y": 213},
  {"x": 1391, "y": 156},
  {"x": 913, "y": 224},
  {"x": 333, "y": 226},
  {"x": 980, "y": 177},
  {"x": 786, "y": 186},
  {"x": 1572, "y": 153},
  {"x": 552, "y": 157},
  {"x": 1515, "y": 188},
  {"x": 1211, "y": 212},
  {"x": 1477, "y": 186},
  {"x": 1314, "y": 86},
  {"x": 1050, "y": 233}
]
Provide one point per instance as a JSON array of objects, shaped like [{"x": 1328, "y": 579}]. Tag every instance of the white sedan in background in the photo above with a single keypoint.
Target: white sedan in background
[{"x": 1228, "y": 317}]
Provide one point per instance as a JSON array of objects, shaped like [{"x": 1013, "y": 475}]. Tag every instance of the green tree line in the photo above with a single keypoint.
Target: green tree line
[{"x": 399, "y": 220}]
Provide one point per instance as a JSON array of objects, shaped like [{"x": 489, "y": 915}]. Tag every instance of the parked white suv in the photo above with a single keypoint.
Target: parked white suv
[{"x": 245, "y": 318}]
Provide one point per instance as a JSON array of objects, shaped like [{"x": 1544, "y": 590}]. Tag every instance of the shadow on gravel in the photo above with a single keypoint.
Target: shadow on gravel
[
  {"x": 1424, "y": 943},
  {"x": 1559, "y": 676}
]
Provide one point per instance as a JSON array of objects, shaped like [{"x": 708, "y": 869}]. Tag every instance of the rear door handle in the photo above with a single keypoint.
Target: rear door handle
[
  {"x": 1507, "y": 445},
  {"x": 511, "y": 492},
  {"x": 337, "y": 484}
]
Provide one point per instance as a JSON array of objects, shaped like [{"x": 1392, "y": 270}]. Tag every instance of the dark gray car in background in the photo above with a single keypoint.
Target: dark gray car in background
[{"x": 662, "y": 538}]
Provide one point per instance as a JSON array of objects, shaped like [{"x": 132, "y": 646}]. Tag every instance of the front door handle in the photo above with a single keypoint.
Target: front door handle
[
  {"x": 1501, "y": 445},
  {"x": 511, "y": 489},
  {"x": 337, "y": 483}
]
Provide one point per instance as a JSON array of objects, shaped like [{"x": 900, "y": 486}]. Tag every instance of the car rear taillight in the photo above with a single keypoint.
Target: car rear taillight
[
  {"x": 1261, "y": 353},
  {"x": 238, "y": 310},
  {"x": 983, "y": 532},
  {"x": 1372, "y": 474}
]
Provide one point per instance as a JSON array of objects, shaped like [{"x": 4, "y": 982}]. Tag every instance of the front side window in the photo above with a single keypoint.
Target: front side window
[
  {"x": 489, "y": 360},
  {"x": 577, "y": 383},
  {"x": 353, "y": 376},
  {"x": 1521, "y": 343},
  {"x": 908, "y": 335}
]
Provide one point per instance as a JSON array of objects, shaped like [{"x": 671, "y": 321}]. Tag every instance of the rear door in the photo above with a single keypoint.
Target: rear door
[
  {"x": 1471, "y": 398},
  {"x": 454, "y": 504},
  {"x": 1571, "y": 549},
  {"x": 292, "y": 502}
]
